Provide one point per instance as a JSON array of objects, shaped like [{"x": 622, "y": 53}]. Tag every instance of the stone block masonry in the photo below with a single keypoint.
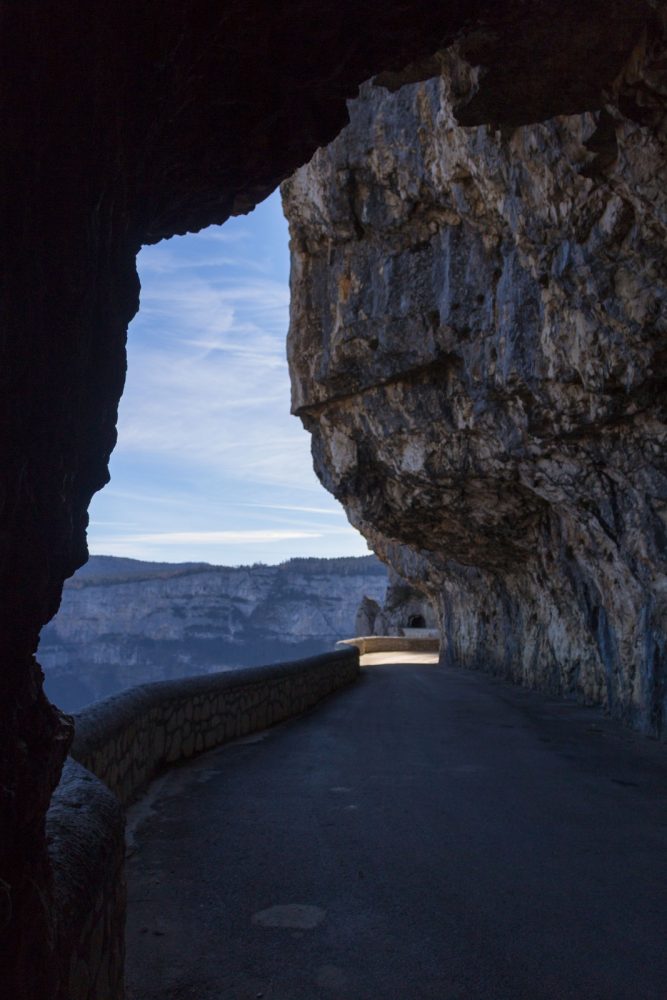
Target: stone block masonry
[
  {"x": 127, "y": 739},
  {"x": 85, "y": 835},
  {"x": 392, "y": 644},
  {"x": 120, "y": 745}
]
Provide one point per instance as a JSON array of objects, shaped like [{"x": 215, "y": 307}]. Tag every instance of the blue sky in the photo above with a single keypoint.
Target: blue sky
[{"x": 210, "y": 465}]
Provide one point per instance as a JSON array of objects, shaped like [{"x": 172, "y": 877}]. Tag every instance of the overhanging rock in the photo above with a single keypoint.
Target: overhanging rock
[{"x": 477, "y": 345}]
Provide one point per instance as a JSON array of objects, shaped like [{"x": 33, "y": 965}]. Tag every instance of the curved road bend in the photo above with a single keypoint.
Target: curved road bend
[{"x": 426, "y": 833}]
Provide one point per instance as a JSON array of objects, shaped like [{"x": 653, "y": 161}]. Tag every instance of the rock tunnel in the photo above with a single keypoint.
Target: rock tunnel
[{"x": 130, "y": 122}]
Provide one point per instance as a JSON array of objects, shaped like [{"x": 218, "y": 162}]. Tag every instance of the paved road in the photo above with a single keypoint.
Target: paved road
[{"x": 426, "y": 834}]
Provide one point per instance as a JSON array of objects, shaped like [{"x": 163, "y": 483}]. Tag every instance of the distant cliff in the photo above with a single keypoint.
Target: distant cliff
[{"x": 124, "y": 622}]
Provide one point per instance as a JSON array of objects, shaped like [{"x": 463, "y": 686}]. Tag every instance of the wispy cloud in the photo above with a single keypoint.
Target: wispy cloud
[
  {"x": 212, "y": 537},
  {"x": 221, "y": 402},
  {"x": 142, "y": 498},
  {"x": 304, "y": 510},
  {"x": 165, "y": 264}
]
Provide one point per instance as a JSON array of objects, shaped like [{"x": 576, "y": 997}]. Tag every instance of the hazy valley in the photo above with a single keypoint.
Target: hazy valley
[{"x": 124, "y": 622}]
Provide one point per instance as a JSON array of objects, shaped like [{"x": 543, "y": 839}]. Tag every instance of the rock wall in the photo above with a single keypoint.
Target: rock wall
[
  {"x": 404, "y": 606},
  {"x": 122, "y": 743},
  {"x": 85, "y": 834},
  {"x": 477, "y": 346}
]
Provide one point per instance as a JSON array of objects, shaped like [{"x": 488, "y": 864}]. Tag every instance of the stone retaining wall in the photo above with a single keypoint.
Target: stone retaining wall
[
  {"x": 85, "y": 833},
  {"x": 392, "y": 644},
  {"x": 120, "y": 745}
]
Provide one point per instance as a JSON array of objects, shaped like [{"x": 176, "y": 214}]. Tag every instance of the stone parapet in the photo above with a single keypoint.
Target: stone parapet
[
  {"x": 85, "y": 835},
  {"x": 127, "y": 739},
  {"x": 120, "y": 745},
  {"x": 393, "y": 643}
]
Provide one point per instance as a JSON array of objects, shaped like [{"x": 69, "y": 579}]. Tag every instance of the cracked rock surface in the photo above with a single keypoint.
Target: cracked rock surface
[{"x": 477, "y": 346}]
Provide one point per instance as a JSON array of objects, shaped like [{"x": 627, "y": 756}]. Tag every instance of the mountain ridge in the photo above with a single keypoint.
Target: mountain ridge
[{"x": 125, "y": 622}]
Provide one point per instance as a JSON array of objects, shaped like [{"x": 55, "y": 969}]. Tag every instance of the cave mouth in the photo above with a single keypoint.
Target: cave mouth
[{"x": 210, "y": 466}]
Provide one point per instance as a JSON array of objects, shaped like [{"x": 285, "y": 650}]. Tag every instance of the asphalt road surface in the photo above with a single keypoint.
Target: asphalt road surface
[{"x": 425, "y": 833}]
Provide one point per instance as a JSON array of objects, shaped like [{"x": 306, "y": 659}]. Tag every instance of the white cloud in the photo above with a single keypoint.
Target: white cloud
[
  {"x": 305, "y": 510},
  {"x": 143, "y": 498},
  {"x": 220, "y": 403},
  {"x": 209, "y": 537},
  {"x": 225, "y": 234}
]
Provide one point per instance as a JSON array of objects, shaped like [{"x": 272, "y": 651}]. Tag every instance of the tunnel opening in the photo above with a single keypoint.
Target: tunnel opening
[
  {"x": 211, "y": 486},
  {"x": 416, "y": 621}
]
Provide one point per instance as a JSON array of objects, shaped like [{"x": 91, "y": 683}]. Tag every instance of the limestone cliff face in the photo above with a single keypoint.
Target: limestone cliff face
[
  {"x": 405, "y": 607},
  {"x": 125, "y": 622},
  {"x": 477, "y": 345}
]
